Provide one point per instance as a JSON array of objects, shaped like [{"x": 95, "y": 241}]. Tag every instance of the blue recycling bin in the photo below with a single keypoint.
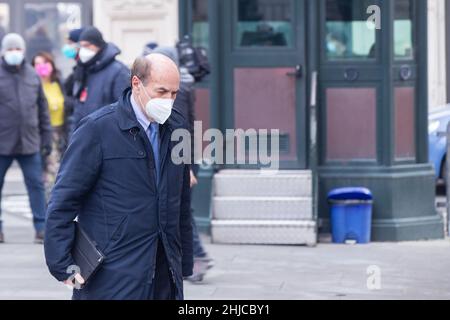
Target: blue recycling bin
[{"x": 351, "y": 215}]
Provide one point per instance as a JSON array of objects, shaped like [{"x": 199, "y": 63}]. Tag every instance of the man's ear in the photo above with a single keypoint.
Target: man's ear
[{"x": 135, "y": 83}]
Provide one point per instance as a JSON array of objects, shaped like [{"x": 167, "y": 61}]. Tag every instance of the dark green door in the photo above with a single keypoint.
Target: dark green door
[{"x": 263, "y": 76}]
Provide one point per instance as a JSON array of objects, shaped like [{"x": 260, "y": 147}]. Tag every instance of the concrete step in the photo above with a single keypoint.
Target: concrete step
[
  {"x": 262, "y": 208},
  {"x": 256, "y": 183},
  {"x": 264, "y": 232}
]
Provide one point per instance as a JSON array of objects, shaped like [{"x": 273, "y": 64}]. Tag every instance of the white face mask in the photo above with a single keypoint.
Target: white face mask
[
  {"x": 14, "y": 58},
  {"x": 86, "y": 54},
  {"x": 158, "y": 109}
]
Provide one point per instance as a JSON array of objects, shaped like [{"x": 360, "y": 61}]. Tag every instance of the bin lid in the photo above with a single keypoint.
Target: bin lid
[{"x": 353, "y": 193}]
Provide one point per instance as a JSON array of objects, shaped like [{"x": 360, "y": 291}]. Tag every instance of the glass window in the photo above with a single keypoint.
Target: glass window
[
  {"x": 47, "y": 26},
  {"x": 4, "y": 20},
  {"x": 403, "y": 30},
  {"x": 200, "y": 24},
  {"x": 265, "y": 23},
  {"x": 347, "y": 35}
]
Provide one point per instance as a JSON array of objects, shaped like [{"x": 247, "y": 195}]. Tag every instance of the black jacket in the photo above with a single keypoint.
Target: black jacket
[
  {"x": 106, "y": 80},
  {"x": 107, "y": 179}
]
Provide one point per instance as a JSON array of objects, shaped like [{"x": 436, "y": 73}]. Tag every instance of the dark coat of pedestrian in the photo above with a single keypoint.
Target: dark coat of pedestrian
[
  {"x": 136, "y": 208},
  {"x": 25, "y": 130},
  {"x": 24, "y": 120}
]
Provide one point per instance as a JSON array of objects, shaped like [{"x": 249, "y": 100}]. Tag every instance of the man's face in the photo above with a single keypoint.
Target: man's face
[
  {"x": 160, "y": 86},
  {"x": 14, "y": 56}
]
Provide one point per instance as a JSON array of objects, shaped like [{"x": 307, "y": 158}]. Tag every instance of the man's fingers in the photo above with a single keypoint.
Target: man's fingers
[
  {"x": 79, "y": 278},
  {"x": 193, "y": 179},
  {"x": 69, "y": 284}
]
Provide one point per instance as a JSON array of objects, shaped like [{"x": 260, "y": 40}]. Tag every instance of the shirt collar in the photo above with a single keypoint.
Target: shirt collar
[{"x": 141, "y": 118}]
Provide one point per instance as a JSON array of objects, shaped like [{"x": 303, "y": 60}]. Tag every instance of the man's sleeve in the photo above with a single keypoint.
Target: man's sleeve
[
  {"x": 184, "y": 103},
  {"x": 45, "y": 128},
  {"x": 78, "y": 174},
  {"x": 186, "y": 225}
]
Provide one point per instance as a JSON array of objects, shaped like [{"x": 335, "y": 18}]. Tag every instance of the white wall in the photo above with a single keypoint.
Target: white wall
[
  {"x": 436, "y": 54},
  {"x": 130, "y": 24}
]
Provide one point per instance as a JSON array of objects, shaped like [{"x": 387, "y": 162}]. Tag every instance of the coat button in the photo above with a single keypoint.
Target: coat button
[{"x": 141, "y": 153}]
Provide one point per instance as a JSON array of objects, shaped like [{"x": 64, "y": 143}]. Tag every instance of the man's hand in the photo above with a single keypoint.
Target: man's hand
[
  {"x": 194, "y": 180},
  {"x": 75, "y": 281}
]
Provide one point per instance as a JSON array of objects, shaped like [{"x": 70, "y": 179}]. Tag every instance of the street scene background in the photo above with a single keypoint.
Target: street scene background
[{"x": 357, "y": 100}]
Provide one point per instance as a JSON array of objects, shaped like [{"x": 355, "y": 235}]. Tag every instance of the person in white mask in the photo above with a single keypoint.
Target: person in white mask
[
  {"x": 98, "y": 79},
  {"x": 118, "y": 177},
  {"x": 25, "y": 131}
]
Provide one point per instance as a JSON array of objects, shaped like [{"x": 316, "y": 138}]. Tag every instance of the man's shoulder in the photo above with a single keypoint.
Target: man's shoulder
[
  {"x": 117, "y": 67},
  {"x": 104, "y": 115},
  {"x": 102, "y": 120}
]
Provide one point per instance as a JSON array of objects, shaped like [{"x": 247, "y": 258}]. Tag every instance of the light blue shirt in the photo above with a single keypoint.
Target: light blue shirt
[{"x": 151, "y": 130}]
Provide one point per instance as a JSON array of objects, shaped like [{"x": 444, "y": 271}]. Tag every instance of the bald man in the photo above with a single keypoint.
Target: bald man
[{"x": 118, "y": 179}]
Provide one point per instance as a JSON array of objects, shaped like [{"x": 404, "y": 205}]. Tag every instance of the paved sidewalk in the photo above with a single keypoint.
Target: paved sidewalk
[{"x": 418, "y": 270}]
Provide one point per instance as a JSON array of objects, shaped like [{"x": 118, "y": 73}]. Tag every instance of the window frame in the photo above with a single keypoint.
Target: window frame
[{"x": 234, "y": 33}]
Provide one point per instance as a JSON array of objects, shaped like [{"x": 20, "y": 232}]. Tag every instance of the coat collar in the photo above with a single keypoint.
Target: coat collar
[{"x": 127, "y": 118}]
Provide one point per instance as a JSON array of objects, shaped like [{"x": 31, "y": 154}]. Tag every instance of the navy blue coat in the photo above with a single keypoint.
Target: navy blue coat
[
  {"x": 107, "y": 179},
  {"x": 106, "y": 81}
]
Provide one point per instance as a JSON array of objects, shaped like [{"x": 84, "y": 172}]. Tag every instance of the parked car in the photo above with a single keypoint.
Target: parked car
[{"x": 438, "y": 121}]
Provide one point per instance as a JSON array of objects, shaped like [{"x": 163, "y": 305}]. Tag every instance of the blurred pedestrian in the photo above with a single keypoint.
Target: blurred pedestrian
[
  {"x": 70, "y": 50},
  {"x": 38, "y": 39},
  {"x": 99, "y": 79},
  {"x": 71, "y": 47},
  {"x": 44, "y": 65},
  {"x": 185, "y": 103},
  {"x": 25, "y": 130},
  {"x": 148, "y": 48}
]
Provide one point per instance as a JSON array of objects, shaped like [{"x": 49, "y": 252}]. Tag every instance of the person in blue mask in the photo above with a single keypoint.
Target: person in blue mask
[
  {"x": 70, "y": 51},
  {"x": 71, "y": 48}
]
